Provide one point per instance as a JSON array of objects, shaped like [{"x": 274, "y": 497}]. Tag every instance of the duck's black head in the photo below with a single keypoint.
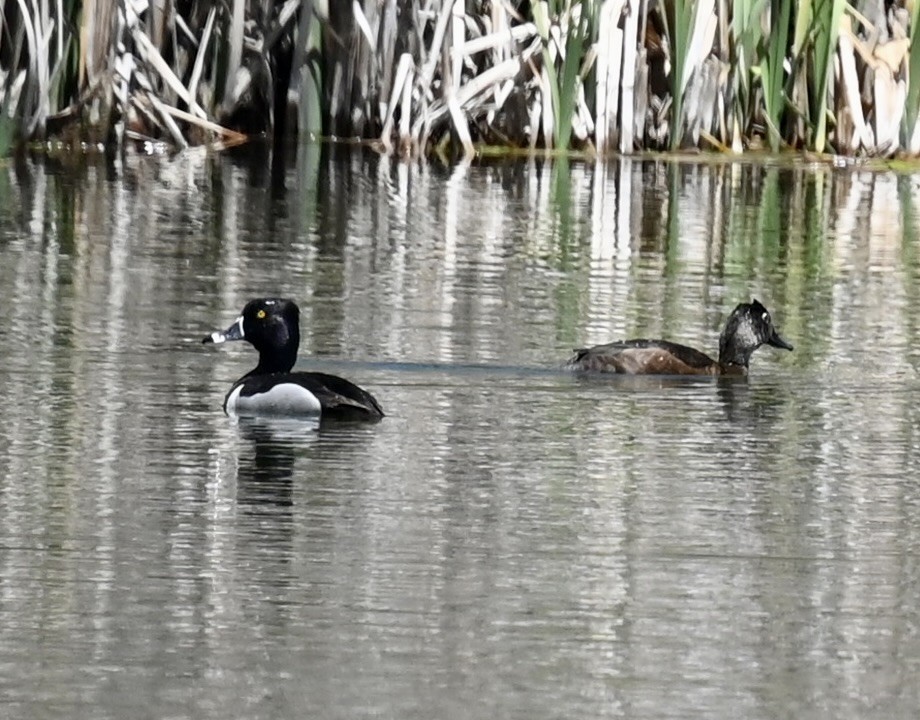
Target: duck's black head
[
  {"x": 748, "y": 327},
  {"x": 271, "y": 326}
]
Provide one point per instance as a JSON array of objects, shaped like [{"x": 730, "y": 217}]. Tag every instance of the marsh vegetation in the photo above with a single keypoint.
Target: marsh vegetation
[{"x": 449, "y": 77}]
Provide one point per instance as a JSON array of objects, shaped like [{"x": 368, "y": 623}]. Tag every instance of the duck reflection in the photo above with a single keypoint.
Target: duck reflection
[
  {"x": 744, "y": 403},
  {"x": 267, "y": 453},
  {"x": 748, "y": 404},
  {"x": 265, "y": 478},
  {"x": 643, "y": 383}
]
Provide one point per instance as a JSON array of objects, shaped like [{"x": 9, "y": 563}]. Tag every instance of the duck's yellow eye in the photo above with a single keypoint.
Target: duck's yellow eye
[{"x": 260, "y": 314}]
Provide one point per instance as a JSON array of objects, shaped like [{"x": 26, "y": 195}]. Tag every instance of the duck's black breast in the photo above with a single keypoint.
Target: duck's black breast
[
  {"x": 644, "y": 357},
  {"x": 301, "y": 393}
]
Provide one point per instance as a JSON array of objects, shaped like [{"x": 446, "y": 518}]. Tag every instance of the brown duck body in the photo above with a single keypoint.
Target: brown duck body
[
  {"x": 649, "y": 357},
  {"x": 748, "y": 327}
]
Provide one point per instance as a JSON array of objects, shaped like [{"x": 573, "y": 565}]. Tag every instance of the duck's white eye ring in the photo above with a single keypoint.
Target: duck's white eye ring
[
  {"x": 260, "y": 314},
  {"x": 766, "y": 316}
]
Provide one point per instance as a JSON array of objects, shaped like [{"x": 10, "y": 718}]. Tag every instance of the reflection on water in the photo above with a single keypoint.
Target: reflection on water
[{"x": 512, "y": 540}]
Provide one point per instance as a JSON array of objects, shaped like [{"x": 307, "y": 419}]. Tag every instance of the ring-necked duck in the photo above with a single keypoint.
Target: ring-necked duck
[
  {"x": 272, "y": 326},
  {"x": 748, "y": 327}
]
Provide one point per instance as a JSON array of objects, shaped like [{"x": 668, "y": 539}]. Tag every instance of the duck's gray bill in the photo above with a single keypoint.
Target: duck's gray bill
[
  {"x": 234, "y": 332},
  {"x": 777, "y": 341}
]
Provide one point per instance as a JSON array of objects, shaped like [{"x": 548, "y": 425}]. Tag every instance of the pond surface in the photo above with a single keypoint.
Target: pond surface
[{"x": 512, "y": 541}]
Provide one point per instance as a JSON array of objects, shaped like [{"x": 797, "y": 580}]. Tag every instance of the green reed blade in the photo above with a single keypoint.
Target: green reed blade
[
  {"x": 564, "y": 73},
  {"x": 772, "y": 70},
  {"x": 575, "y": 48},
  {"x": 913, "y": 90},
  {"x": 747, "y": 32},
  {"x": 825, "y": 22},
  {"x": 681, "y": 34}
]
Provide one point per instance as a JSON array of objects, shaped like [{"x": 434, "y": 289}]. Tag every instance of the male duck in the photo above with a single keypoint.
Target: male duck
[
  {"x": 748, "y": 327},
  {"x": 272, "y": 326}
]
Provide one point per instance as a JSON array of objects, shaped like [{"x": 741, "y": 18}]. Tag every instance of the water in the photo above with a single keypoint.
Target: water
[{"x": 511, "y": 541}]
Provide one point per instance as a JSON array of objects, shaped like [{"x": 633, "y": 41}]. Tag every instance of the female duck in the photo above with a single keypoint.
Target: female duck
[
  {"x": 272, "y": 326},
  {"x": 748, "y": 327}
]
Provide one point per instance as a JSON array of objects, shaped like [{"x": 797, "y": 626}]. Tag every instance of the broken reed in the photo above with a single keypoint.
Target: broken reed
[{"x": 448, "y": 76}]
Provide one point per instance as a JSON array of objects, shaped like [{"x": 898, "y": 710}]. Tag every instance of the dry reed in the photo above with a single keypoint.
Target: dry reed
[{"x": 449, "y": 77}]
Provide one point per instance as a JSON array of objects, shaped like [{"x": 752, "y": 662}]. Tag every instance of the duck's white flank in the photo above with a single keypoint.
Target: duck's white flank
[{"x": 282, "y": 399}]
